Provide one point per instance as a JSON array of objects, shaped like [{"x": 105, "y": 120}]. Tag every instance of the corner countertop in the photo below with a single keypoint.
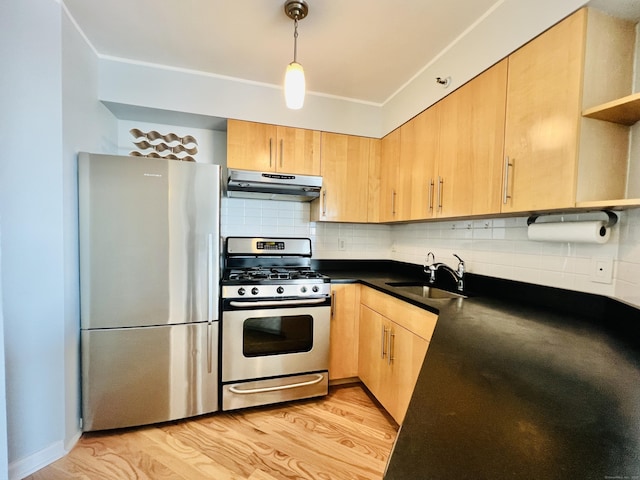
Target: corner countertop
[{"x": 519, "y": 382}]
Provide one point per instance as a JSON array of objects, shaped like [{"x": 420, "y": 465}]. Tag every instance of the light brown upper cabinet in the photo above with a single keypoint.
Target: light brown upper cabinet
[
  {"x": 345, "y": 178},
  {"x": 446, "y": 161},
  {"x": 406, "y": 169},
  {"x": 470, "y": 147},
  {"x": 553, "y": 157},
  {"x": 384, "y": 208},
  {"x": 419, "y": 140},
  {"x": 272, "y": 148}
]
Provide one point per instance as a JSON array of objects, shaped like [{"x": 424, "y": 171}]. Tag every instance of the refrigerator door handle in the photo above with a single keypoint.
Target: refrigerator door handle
[
  {"x": 209, "y": 347},
  {"x": 210, "y": 277}
]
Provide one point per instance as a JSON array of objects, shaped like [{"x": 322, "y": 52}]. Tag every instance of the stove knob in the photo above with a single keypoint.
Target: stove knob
[
  {"x": 303, "y": 289},
  {"x": 254, "y": 291},
  {"x": 241, "y": 291},
  {"x": 315, "y": 289},
  {"x": 280, "y": 290}
]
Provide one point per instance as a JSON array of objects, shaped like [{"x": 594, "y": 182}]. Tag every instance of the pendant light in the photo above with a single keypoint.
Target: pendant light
[{"x": 294, "y": 83}]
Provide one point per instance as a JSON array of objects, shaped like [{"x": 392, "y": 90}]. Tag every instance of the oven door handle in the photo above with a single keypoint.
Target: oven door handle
[
  {"x": 248, "y": 391},
  {"x": 277, "y": 303}
]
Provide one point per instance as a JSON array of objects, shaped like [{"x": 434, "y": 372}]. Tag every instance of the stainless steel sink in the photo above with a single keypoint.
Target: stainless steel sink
[{"x": 424, "y": 290}]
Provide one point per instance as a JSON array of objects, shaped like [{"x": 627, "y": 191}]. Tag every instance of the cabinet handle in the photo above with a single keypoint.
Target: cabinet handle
[
  {"x": 393, "y": 202},
  {"x": 505, "y": 191},
  {"x": 383, "y": 337},
  {"x": 270, "y": 152},
  {"x": 281, "y": 152},
  {"x": 333, "y": 302},
  {"x": 431, "y": 185},
  {"x": 390, "y": 347},
  {"x": 324, "y": 203},
  {"x": 440, "y": 183}
]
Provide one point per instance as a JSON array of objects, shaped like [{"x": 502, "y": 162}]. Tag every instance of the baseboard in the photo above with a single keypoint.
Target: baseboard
[
  {"x": 69, "y": 444},
  {"x": 35, "y": 462},
  {"x": 343, "y": 381}
]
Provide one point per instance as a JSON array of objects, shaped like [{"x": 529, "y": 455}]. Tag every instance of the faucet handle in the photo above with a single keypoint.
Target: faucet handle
[
  {"x": 433, "y": 258},
  {"x": 428, "y": 267},
  {"x": 460, "y": 264}
]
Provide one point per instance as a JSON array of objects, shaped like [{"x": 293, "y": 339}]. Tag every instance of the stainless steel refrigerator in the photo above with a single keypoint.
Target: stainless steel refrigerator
[{"x": 149, "y": 285}]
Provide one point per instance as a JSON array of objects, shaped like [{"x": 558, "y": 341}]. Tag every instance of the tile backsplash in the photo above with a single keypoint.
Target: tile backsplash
[{"x": 496, "y": 247}]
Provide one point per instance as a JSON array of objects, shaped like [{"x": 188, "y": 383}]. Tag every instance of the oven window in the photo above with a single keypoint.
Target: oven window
[{"x": 277, "y": 335}]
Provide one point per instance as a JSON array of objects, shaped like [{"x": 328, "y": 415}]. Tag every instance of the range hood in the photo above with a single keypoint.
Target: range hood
[{"x": 273, "y": 186}]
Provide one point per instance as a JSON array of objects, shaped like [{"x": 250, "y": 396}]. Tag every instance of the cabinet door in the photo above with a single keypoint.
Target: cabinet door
[
  {"x": 406, "y": 353},
  {"x": 251, "y": 146},
  {"x": 298, "y": 151},
  {"x": 345, "y": 172},
  {"x": 542, "y": 123},
  {"x": 375, "y": 165},
  {"x": 389, "y": 165},
  {"x": 485, "y": 101},
  {"x": 471, "y": 143},
  {"x": 418, "y": 155},
  {"x": 343, "y": 355},
  {"x": 372, "y": 349}
]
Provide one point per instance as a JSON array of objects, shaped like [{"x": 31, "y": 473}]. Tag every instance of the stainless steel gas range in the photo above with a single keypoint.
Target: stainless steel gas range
[{"x": 275, "y": 323}]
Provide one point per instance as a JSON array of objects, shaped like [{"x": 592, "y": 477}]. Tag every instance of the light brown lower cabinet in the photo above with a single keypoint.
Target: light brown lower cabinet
[
  {"x": 393, "y": 341},
  {"x": 343, "y": 356}
]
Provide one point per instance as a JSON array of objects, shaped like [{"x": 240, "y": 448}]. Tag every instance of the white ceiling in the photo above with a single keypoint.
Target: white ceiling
[{"x": 364, "y": 50}]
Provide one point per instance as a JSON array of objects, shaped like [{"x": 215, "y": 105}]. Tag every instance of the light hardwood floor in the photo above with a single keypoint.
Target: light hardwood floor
[{"x": 345, "y": 435}]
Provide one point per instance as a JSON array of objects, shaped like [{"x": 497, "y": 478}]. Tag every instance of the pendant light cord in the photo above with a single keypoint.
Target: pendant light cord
[{"x": 295, "y": 39}]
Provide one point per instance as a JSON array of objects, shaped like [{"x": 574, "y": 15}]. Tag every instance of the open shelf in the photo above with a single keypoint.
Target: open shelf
[
  {"x": 610, "y": 204},
  {"x": 625, "y": 111}
]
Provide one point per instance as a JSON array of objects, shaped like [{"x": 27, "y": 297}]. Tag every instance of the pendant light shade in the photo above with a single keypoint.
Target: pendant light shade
[
  {"x": 294, "y": 82},
  {"x": 294, "y": 86}
]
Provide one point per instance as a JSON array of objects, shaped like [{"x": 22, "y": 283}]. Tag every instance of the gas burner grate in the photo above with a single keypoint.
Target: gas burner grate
[{"x": 273, "y": 273}]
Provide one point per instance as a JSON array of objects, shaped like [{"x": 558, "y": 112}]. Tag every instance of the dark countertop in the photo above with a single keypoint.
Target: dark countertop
[{"x": 519, "y": 382}]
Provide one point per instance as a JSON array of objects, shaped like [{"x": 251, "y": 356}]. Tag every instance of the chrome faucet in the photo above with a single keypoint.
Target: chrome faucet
[{"x": 432, "y": 268}]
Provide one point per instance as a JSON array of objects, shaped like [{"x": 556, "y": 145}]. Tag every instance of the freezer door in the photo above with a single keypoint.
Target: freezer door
[
  {"x": 149, "y": 241},
  {"x": 138, "y": 376}
]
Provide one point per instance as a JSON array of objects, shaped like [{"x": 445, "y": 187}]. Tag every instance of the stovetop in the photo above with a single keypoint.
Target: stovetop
[
  {"x": 258, "y": 267},
  {"x": 273, "y": 274}
]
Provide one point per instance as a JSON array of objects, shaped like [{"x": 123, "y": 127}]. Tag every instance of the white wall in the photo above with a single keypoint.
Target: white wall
[
  {"x": 31, "y": 198},
  {"x": 628, "y": 265},
  {"x": 4, "y": 461},
  {"x": 500, "y": 248},
  {"x": 202, "y": 94},
  {"x": 245, "y": 217},
  {"x": 496, "y": 247},
  {"x": 509, "y": 25},
  {"x": 50, "y": 110},
  {"x": 86, "y": 125}
]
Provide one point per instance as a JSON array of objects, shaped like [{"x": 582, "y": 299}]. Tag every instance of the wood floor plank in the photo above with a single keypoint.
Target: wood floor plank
[
  {"x": 178, "y": 457},
  {"x": 260, "y": 475},
  {"x": 343, "y": 436}
]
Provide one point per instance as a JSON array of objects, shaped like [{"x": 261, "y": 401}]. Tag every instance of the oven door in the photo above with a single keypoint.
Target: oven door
[{"x": 274, "y": 338}]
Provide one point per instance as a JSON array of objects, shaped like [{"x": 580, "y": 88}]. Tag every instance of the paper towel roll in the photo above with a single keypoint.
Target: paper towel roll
[{"x": 578, "y": 232}]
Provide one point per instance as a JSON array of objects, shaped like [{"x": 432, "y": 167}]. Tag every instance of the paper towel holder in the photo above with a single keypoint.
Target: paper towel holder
[{"x": 612, "y": 218}]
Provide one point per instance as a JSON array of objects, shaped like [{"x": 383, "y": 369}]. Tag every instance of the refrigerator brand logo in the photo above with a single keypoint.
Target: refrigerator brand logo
[{"x": 152, "y": 175}]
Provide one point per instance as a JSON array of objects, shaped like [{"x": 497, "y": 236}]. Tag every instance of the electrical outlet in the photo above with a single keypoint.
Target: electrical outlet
[
  {"x": 602, "y": 270},
  {"x": 342, "y": 244}
]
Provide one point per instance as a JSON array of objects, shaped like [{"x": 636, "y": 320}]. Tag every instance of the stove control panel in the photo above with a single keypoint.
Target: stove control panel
[{"x": 275, "y": 291}]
